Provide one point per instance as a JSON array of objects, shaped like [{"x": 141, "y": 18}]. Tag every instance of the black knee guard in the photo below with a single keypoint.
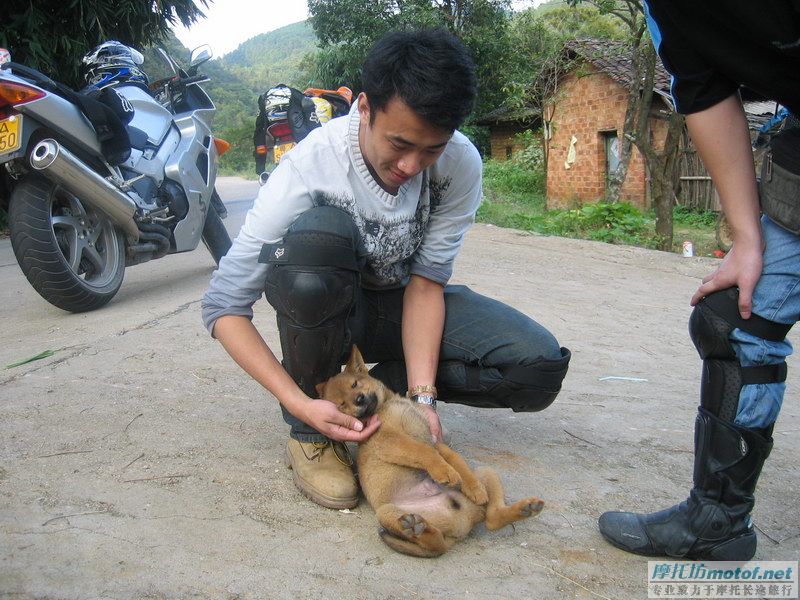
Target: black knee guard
[
  {"x": 710, "y": 326},
  {"x": 522, "y": 388},
  {"x": 312, "y": 283},
  {"x": 538, "y": 383}
]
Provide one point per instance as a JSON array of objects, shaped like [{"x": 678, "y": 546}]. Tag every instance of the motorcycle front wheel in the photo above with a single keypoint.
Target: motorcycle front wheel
[{"x": 71, "y": 254}]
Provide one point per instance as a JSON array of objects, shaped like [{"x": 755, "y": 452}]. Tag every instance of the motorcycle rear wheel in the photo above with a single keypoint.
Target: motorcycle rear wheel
[
  {"x": 215, "y": 236},
  {"x": 71, "y": 254}
]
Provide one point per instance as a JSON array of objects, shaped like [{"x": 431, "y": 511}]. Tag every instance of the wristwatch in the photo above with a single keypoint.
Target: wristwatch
[{"x": 425, "y": 398}]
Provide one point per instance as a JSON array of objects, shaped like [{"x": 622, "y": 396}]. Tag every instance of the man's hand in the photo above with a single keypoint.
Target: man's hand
[
  {"x": 323, "y": 416},
  {"x": 741, "y": 267},
  {"x": 433, "y": 422}
]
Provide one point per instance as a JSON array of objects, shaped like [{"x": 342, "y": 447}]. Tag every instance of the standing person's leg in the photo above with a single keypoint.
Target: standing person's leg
[
  {"x": 313, "y": 284},
  {"x": 492, "y": 355},
  {"x": 742, "y": 391}
]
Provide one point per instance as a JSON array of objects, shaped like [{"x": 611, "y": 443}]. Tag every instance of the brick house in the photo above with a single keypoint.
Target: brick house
[
  {"x": 504, "y": 126},
  {"x": 583, "y": 122}
]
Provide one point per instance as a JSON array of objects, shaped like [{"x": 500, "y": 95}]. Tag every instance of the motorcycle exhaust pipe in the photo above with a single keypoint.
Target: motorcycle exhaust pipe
[{"x": 68, "y": 170}]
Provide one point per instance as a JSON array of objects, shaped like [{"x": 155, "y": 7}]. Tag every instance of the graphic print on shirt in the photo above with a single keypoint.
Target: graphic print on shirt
[
  {"x": 438, "y": 188},
  {"x": 389, "y": 242}
]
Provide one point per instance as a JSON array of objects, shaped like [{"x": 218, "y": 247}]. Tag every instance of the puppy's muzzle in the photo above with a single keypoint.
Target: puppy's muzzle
[{"x": 365, "y": 404}]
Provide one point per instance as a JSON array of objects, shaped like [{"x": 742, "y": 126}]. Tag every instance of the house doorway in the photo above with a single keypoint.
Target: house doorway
[{"x": 611, "y": 149}]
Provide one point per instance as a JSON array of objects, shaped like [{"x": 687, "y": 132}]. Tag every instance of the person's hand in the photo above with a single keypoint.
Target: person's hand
[
  {"x": 741, "y": 267},
  {"x": 433, "y": 422},
  {"x": 323, "y": 416}
]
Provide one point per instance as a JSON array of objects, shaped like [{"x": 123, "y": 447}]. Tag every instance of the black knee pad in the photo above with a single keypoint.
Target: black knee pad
[
  {"x": 538, "y": 383},
  {"x": 710, "y": 326},
  {"x": 312, "y": 282}
]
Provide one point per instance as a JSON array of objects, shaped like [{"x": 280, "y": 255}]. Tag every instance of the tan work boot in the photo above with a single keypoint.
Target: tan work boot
[{"x": 323, "y": 471}]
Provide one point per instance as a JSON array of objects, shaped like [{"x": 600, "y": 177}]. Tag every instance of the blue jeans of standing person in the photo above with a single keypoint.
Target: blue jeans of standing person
[
  {"x": 491, "y": 355},
  {"x": 777, "y": 298}
]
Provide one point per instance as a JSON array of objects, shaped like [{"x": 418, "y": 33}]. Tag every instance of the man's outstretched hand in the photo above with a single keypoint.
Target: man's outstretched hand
[{"x": 323, "y": 416}]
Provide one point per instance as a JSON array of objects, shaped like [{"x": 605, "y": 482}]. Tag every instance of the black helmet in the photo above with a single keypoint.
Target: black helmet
[{"x": 113, "y": 63}]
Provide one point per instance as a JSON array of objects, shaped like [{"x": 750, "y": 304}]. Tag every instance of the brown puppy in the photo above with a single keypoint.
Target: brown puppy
[{"x": 412, "y": 483}]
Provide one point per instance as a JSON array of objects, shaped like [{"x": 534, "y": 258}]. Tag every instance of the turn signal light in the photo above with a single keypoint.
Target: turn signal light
[
  {"x": 221, "y": 145},
  {"x": 12, "y": 93}
]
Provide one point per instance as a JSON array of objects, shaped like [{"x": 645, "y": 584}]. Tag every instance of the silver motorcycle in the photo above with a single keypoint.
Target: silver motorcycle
[{"x": 77, "y": 217}]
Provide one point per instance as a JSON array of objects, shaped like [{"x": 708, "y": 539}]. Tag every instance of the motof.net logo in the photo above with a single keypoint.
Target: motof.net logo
[{"x": 717, "y": 579}]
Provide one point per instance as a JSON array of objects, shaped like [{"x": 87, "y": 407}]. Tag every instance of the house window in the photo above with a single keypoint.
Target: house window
[{"x": 509, "y": 152}]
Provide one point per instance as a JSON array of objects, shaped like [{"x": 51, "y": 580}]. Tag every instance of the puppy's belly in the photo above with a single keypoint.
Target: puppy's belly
[{"x": 424, "y": 496}]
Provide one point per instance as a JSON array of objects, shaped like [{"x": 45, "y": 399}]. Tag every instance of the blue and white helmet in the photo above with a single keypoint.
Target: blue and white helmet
[{"x": 114, "y": 63}]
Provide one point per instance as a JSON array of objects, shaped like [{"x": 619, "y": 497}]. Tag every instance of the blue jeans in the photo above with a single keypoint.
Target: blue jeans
[
  {"x": 777, "y": 298},
  {"x": 491, "y": 355}
]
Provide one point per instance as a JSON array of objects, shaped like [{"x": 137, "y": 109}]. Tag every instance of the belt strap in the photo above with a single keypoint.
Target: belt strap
[
  {"x": 764, "y": 374},
  {"x": 309, "y": 255}
]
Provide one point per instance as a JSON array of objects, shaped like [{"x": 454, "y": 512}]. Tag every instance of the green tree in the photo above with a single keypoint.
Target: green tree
[
  {"x": 661, "y": 164},
  {"x": 536, "y": 57},
  {"x": 53, "y": 35},
  {"x": 536, "y": 42},
  {"x": 346, "y": 29}
]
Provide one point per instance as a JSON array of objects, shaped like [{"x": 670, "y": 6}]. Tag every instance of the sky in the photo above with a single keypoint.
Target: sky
[{"x": 228, "y": 23}]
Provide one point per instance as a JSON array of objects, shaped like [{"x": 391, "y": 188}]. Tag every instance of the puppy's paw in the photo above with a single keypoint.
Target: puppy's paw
[
  {"x": 412, "y": 525},
  {"x": 475, "y": 491},
  {"x": 446, "y": 475},
  {"x": 530, "y": 507}
]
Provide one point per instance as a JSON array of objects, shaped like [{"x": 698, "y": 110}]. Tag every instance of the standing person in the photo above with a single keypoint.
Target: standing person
[
  {"x": 744, "y": 309},
  {"x": 353, "y": 239}
]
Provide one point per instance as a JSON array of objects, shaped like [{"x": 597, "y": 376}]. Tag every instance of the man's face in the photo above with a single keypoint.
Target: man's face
[{"x": 398, "y": 144}]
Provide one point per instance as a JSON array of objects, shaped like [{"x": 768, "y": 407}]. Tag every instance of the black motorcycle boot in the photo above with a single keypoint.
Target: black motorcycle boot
[{"x": 714, "y": 522}]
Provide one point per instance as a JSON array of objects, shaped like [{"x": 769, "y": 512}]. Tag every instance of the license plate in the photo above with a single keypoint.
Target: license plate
[
  {"x": 281, "y": 149},
  {"x": 10, "y": 138}
]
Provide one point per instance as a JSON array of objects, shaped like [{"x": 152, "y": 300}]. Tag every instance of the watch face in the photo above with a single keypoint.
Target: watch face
[{"x": 424, "y": 399}]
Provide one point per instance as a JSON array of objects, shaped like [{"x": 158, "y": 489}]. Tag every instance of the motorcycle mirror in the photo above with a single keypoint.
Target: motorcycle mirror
[{"x": 200, "y": 55}]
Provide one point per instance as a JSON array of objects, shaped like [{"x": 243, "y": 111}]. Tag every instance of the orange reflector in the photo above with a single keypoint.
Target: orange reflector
[
  {"x": 261, "y": 149},
  {"x": 12, "y": 93},
  {"x": 222, "y": 146}
]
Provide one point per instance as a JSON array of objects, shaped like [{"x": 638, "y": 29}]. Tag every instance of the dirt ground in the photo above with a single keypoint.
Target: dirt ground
[{"x": 139, "y": 462}]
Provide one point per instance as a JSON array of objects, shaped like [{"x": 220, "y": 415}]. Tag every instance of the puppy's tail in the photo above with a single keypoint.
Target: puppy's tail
[{"x": 405, "y": 546}]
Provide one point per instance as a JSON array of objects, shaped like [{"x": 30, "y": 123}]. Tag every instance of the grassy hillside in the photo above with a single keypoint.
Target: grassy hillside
[{"x": 276, "y": 57}]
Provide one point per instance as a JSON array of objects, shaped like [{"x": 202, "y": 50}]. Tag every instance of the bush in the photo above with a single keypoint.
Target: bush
[
  {"x": 618, "y": 223},
  {"x": 531, "y": 157},
  {"x": 510, "y": 177},
  {"x": 682, "y": 215}
]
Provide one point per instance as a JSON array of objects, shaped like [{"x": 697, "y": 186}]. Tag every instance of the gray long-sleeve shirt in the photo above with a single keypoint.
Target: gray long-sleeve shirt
[{"x": 417, "y": 231}]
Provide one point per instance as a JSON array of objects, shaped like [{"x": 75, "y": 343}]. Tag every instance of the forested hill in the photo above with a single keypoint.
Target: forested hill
[{"x": 274, "y": 57}]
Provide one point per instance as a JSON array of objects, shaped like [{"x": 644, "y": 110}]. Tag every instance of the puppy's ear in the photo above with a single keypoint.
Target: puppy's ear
[
  {"x": 321, "y": 389},
  {"x": 356, "y": 362}
]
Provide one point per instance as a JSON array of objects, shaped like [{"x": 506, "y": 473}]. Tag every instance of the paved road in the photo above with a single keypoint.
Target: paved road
[{"x": 138, "y": 461}]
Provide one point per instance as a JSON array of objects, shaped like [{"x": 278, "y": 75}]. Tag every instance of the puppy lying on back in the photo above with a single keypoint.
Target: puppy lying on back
[{"x": 412, "y": 483}]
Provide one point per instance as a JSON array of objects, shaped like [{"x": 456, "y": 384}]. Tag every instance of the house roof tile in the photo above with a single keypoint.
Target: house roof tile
[{"x": 614, "y": 58}]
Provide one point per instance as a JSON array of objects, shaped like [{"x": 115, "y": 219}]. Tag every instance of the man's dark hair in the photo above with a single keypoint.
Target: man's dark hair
[{"x": 430, "y": 70}]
